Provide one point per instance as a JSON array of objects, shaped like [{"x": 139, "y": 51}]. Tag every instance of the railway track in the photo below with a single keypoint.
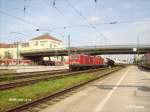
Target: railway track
[
  {"x": 58, "y": 93},
  {"x": 14, "y": 76},
  {"x": 31, "y": 80}
]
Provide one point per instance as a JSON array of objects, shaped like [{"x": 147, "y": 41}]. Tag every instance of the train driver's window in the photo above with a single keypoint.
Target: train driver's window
[{"x": 74, "y": 57}]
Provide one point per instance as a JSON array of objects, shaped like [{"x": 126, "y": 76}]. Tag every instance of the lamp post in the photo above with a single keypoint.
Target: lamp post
[
  {"x": 134, "y": 50},
  {"x": 138, "y": 49},
  {"x": 138, "y": 46}
]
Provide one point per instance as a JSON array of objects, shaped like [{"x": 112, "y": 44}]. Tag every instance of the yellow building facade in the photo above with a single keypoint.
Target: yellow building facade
[{"x": 41, "y": 42}]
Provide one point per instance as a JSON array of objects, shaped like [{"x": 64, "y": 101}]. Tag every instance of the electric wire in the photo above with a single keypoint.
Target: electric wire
[
  {"x": 84, "y": 18},
  {"x": 18, "y": 18}
]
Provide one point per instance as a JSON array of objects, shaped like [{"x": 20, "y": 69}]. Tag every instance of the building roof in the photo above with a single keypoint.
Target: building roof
[
  {"x": 4, "y": 45},
  {"x": 46, "y": 36}
]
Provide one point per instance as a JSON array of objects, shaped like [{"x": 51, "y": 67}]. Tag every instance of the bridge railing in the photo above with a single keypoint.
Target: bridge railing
[
  {"x": 116, "y": 46},
  {"x": 42, "y": 50},
  {"x": 85, "y": 47}
]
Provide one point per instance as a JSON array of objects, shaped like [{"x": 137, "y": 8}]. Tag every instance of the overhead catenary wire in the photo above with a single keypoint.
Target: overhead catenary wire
[
  {"x": 60, "y": 12},
  {"x": 84, "y": 18},
  {"x": 24, "y": 9},
  {"x": 28, "y": 22},
  {"x": 89, "y": 24},
  {"x": 95, "y": 1},
  {"x": 69, "y": 26},
  {"x": 24, "y": 15},
  {"x": 104, "y": 23},
  {"x": 18, "y": 18},
  {"x": 64, "y": 27},
  {"x": 20, "y": 9},
  {"x": 54, "y": 3},
  {"x": 21, "y": 19},
  {"x": 79, "y": 13},
  {"x": 54, "y": 6}
]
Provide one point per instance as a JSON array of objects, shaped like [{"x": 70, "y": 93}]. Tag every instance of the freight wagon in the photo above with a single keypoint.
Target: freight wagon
[{"x": 145, "y": 60}]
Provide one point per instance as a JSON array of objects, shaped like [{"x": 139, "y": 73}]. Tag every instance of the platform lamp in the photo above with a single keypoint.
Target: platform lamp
[
  {"x": 18, "y": 52},
  {"x": 134, "y": 50},
  {"x": 138, "y": 49}
]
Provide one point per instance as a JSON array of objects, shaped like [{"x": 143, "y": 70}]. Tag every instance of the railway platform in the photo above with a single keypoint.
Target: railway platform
[
  {"x": 127, "y": 90},
  {"x": 23, "y": 69}
]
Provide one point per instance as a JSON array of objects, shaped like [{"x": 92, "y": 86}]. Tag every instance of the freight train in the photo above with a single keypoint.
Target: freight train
[
  {"x": 145, "y": 60},
  {"x": 82, "y": 61}
]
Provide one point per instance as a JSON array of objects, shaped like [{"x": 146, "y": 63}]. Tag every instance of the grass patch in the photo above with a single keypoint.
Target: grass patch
[
  {"x": 7, "y": 71},
  {"x": 37, "y": 90}
]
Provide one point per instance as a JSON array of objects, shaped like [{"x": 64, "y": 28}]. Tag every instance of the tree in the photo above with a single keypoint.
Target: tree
[
  {"x": 0, "y": 56},
  {"x": 7, "y": 55}
]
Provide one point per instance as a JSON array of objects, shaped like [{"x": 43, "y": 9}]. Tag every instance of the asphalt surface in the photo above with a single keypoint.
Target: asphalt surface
[{"x": 125, "y": 91}]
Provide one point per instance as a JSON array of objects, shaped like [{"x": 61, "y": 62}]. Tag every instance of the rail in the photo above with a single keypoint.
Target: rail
[
  {"x": 27, "y": 81},
  {"x": 58, "y": 93}
]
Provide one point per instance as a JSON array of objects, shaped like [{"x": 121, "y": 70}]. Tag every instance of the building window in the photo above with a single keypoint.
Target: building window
[
  {"x": 50, "y": 45},
  {"x": 42, "y": 44},
  {"x": 44, "y": 41},
  {"x": 25, "y": 45},
  {"x": 36, "y": 43}
]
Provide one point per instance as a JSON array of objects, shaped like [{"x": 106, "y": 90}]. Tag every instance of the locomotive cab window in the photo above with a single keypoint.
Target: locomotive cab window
[{"x": 74, "y": 57}]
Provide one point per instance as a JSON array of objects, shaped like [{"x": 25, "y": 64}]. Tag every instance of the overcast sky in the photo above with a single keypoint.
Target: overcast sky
[{"x": 87, "y": 22}]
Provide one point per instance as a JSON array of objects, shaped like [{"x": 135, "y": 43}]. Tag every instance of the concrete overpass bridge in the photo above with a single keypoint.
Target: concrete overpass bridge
[{"x": 37, "y": 54}]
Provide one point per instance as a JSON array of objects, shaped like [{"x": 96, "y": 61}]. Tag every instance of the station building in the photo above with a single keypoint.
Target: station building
[{"x": 45, "y": 41}]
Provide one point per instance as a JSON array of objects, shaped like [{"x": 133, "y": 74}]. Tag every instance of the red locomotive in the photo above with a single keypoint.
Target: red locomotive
[{"x": 82, "y": 61}]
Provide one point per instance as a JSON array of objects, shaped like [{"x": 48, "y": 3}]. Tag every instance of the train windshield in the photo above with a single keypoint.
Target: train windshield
[{"x": 74, "y": 57}]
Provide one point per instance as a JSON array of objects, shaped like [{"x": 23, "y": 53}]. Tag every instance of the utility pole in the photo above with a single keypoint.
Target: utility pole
[
  {"x": 134, "y": 51},
  {"x": 68, "y": 48},
  {"x": 138, "y": 45},
  {"x": 17, "y": 52},
  {"x": 138, "y": 49},
  {"x": 17, "y": 47}
]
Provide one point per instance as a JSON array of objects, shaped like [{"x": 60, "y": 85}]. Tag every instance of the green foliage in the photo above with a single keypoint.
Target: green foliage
[
  {"x": 37, "y": 90},
  {"x": 136, "y": 61},
  {"x": 0, "y": 56},
  {"x": 7, "y": 55}
]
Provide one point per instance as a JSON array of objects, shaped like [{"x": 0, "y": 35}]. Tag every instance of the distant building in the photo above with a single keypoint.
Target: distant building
[
  {"x": 41, "y": 42},
  {"x": 45, "y": 41}
]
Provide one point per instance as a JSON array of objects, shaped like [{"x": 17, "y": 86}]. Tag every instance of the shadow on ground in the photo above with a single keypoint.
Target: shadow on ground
[
  {"x": 109, "y": 87},
  {"x": 143, "y": 69}
]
